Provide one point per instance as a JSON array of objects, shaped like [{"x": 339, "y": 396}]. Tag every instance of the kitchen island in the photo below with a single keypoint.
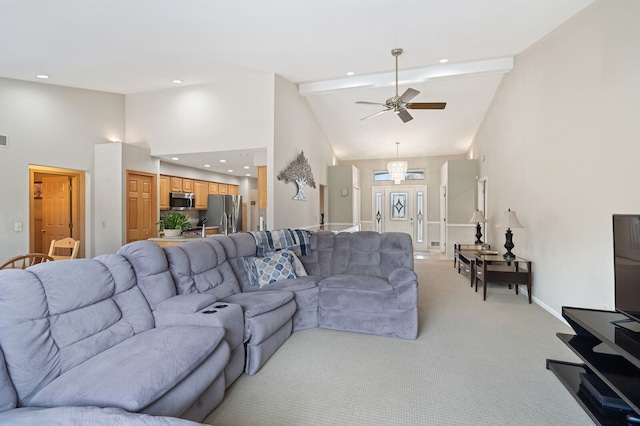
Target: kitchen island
[{"x": 189, "y": 236}]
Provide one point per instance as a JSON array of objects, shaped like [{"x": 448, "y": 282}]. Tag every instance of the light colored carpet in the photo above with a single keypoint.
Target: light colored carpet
[{"x": 474, "y": 363}]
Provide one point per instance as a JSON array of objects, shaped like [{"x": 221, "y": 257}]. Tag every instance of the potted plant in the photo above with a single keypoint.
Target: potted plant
[{"x": 173, "y": 223}]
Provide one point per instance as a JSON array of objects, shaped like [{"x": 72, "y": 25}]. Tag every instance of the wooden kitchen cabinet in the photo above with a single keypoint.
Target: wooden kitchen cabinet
[
  {"x": 201, "y": 189},
  {"x": 187, "y": 185},
  {"x": 213, "y": 188},
  {"x": 262, "y": 187},
  {"x": 164, "y": 192},
  {"x": 223, "y": 188},
  {"x": 232, "y": 189},
  {"x": 175, "y": 184}
]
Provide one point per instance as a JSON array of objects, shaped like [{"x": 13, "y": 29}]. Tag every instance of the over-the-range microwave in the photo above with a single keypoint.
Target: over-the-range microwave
[{"x": 182, "y": 201}]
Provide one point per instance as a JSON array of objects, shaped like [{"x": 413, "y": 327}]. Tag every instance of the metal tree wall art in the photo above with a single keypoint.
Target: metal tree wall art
[{"x": 299, "y": 171}]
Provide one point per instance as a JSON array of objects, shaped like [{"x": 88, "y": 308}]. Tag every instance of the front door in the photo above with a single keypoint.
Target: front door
[{"x": 401, "y": 209}]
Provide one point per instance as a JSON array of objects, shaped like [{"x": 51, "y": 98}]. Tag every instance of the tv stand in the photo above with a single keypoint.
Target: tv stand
[{"x": 607, "y": 384}]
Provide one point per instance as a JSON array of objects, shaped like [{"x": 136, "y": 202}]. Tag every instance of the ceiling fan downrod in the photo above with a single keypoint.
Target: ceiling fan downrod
[{"x": 396, "y": 53}]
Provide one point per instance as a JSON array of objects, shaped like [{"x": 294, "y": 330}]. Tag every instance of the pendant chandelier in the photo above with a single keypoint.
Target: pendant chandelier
[{"x": 397, "y": 169}]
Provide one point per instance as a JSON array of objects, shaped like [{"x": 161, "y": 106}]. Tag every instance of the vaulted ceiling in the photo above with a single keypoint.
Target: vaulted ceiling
[{"x": 133, "y": 46}]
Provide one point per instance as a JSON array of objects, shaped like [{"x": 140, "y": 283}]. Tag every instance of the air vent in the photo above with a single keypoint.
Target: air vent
[
  {"x": 435, "y": 243},
  {"x": 4, "y": 141}
]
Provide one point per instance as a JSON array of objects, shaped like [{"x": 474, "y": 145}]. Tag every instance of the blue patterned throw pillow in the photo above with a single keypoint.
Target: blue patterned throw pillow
[{"x": 276, "y": 267}]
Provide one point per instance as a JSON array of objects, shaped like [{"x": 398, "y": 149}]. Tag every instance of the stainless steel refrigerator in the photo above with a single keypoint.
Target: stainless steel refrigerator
[{"x": 225, "y": 211}]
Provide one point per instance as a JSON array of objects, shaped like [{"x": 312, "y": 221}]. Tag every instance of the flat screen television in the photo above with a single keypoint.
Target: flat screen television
[{"x": 626, "y": 254}]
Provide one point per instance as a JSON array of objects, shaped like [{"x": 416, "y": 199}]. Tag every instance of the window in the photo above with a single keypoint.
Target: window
[{"x": 412, "y": 174}]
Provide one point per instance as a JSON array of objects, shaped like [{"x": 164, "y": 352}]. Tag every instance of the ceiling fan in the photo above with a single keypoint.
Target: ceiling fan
[{"x": 400, "y": 104}]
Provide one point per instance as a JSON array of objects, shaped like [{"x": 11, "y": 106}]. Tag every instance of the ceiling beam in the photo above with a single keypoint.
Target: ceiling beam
[{"x": 419, "y": 75}]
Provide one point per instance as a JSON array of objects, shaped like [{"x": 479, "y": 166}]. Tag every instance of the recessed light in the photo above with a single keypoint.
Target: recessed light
[
  {"x": 207, "y": 165},
  {"x": 43, "y": 76},
  {"x": 350, "y": 73},
  {"x": 246, "y": 167},
  {"x": 229, "y": 171},
  {"x": 177, "y": 81},
  {"x": 175, "y": 158},
  {"x": 443, "y": 61},
  {"x": 248, "y": 174},
  {"x": 223, "y": 161}
]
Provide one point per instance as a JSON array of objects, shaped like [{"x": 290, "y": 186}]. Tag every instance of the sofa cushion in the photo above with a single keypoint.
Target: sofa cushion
[
  {"x": 151, "y": 269},
  {"x": 134, "y": 373},
  {"x": 276, "y": 267},
  {"x": 8, "y": 397},
  {"x": 57, "y": 315},
  {"x": 94, "y": 416},
  {"x": 201, "y": 267},
  {"x": 356, "y": 282}
]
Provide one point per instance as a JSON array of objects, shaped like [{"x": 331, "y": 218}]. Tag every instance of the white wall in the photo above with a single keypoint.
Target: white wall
[
  {"x": 53, "y": 126},
  {"x": 296, "y": 130},
  {"x": 229, "y": 115},
  {"x": 562, "y": 150}
]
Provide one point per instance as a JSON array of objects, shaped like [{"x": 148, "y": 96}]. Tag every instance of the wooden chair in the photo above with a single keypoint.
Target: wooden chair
[
  {"x": 25, "y": 260},
  {"x": 65, "y": 243}
]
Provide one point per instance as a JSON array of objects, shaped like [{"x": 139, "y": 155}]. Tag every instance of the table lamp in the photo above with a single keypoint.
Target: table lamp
[
  {"x": 478, "y": 218},
  {"x": 509, "y": 220}
]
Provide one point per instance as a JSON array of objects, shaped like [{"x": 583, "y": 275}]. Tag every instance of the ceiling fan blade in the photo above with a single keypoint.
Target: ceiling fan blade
[
  {"x": 408, "y": 95},
  {"x": 374, "y": 114},
  {"x": 426, "y": 105},
  {"x": 404, "y": 115},
  {"x": 369, "y": 103}
]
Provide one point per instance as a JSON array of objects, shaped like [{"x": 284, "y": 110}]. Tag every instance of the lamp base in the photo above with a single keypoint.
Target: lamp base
[
  {"x": 509, "y": 245},
  {"x": 478, "y": 235}
]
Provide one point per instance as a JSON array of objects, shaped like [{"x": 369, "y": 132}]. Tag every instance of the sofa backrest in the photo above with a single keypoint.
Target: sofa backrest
[
  {"x": 201, "y": 267},
  {"x": 151, "y": 267},
  {"x": 237, "y": 246},
  {"x": 56, "y": 315},
  {"x": 319, "y": 261},
  {"x": 371, "y": 253}
]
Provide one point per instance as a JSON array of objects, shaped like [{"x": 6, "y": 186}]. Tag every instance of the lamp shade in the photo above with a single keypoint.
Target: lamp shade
[
  {"x": 509, "y": 220},
  {"x": 478, "y": 217}
]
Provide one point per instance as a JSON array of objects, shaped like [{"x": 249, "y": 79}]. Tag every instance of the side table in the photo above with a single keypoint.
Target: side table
[
  {"x": 498, "y": 270},
  {"x": 458, "y": 247}
]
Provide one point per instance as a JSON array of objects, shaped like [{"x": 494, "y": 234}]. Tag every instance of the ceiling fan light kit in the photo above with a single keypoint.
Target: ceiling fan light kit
[
  {"x": 397, "y": 169},
  {"x": 400, "y": 104}
]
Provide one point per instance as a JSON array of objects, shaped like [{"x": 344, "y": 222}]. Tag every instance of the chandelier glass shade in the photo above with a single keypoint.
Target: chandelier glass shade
[{"x": 397, "y": 169}]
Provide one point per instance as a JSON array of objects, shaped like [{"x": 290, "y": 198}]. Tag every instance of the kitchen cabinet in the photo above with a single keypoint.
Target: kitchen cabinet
[
  {"x": 233, "y": 189},
  {"x": 187, "y": 185},
  {"x": 201, "y": 189},
  {"x": 223, "y": 188},
  {"x": 175, "y": 184},
  {"x": 213, "y": 188},
  {"x": 164, "y": 192}
]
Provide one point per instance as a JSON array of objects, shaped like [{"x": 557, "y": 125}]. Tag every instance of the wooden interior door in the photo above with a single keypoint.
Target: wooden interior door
[
  {"x": 56, "y": 209},
  {"x": 141, "y": 206}
]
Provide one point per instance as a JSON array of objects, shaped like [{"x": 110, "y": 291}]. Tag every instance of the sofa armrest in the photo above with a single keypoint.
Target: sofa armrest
[
  {"x": 186, "y": 303},
  {"x": 402, "y": 277}
]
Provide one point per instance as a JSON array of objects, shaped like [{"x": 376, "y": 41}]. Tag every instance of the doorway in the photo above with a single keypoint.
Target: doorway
[
  {"x": 56, "y": 207},
  {"x": 401, "y": 209}
]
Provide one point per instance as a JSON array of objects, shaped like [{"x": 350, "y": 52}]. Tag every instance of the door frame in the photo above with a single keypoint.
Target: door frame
[{"x": 78, "y": 208}]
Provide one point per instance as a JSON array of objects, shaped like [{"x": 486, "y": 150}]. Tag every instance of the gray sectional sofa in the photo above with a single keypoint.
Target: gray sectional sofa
[{"x": 151, "y": 334}]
